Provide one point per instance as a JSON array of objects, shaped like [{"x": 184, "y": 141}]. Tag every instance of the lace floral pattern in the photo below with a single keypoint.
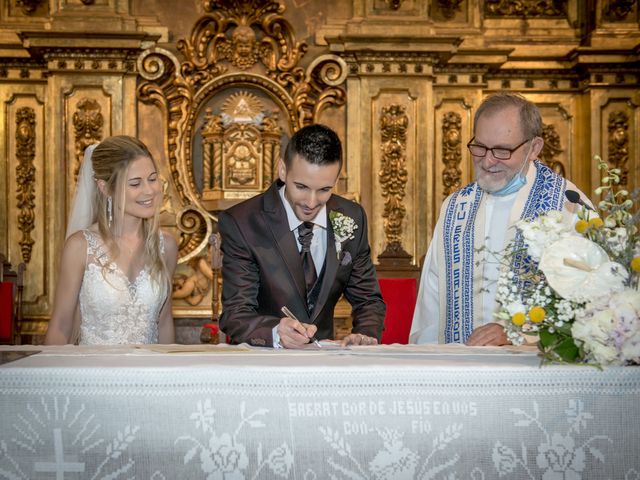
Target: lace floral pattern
[
  {"x": 562, "y": 457},
  {"x": 122, "y": 412},
  {"x": 115, "y": 310}
]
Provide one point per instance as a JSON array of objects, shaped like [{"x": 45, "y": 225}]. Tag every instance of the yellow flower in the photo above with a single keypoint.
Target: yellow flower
[
  {"x": 596, "y": 222},
  {"x": 581, "y": 226},
  {"x": 635, "y": 264},
  {"x": 518, "y": 319},
  {"x": 536, "y": 314}
]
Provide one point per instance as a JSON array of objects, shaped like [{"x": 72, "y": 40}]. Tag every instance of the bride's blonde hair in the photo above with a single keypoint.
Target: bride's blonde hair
[{"x": 111, "y": 161}]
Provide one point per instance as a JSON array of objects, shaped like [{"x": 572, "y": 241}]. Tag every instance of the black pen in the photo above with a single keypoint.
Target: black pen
[{"x": 288, "y": 313}]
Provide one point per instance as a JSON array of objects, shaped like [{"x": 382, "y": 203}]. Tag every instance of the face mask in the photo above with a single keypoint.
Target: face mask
[{"x": 517, "y": 182}]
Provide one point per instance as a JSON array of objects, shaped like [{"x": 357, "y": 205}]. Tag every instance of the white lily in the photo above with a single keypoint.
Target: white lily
[{"x": 579, "y": 270}]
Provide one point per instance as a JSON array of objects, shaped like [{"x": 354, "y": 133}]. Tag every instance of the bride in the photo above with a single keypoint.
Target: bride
[{"x": 114, "y": 285}]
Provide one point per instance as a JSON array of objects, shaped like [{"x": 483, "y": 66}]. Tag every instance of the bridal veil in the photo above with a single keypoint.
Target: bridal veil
[{"x": 83, "y": 212}]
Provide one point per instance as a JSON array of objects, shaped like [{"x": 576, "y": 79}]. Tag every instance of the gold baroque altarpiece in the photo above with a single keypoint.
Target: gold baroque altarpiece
[
  {"x": 398, "y": 80},
  {"x": 230, "y": 100}
]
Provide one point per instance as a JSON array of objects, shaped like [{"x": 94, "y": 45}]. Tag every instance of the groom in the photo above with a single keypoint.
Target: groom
[{"x": 299, "y": 246}]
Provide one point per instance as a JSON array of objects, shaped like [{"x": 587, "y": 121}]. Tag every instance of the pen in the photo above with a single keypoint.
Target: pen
[{"x": 288, "y": 313}]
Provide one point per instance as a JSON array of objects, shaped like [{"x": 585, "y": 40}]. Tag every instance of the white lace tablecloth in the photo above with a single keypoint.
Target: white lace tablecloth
[{"x": 371, "y": 412}]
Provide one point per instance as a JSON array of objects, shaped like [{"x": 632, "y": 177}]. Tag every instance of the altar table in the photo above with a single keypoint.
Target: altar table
[{"x": 395, "y": 412}]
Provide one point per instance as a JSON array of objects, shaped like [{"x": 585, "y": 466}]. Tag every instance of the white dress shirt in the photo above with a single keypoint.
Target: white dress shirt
[{"x": 318, "y": 242}]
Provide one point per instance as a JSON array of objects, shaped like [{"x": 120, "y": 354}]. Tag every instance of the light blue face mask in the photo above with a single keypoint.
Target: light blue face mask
[{"x": 518, "y": 181}]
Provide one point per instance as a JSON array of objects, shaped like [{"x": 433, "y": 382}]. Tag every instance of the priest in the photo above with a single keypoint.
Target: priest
[{"x": 456, "y": 300}]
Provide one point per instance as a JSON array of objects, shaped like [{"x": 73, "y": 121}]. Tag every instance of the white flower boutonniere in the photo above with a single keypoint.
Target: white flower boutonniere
[{"x": 343, "y": 228}]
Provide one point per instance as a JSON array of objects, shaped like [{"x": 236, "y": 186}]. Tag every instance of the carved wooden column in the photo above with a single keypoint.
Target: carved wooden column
[
  {"x": 393, "y": 176},
  {"x": 391, "y": 90}
]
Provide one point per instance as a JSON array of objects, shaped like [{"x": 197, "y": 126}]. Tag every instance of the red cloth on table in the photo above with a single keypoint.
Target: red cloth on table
[
  {"x": 6, "y": 310},
  {"x": 400, "y": 296}
]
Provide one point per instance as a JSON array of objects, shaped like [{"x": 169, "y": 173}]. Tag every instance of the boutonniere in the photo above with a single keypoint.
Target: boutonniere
[{"x": 343, "y": 228}]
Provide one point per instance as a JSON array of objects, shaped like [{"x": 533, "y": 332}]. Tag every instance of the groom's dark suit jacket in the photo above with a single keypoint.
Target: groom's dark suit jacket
[{"x": 262, "y": 272}]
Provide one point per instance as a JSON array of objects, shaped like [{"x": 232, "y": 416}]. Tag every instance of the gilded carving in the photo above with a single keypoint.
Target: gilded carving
[
  {"x": 393, "y": 172},
  {"x": 26, "y": 177},
  {"x": 449, "y": 8},
  {"x": 451, "y": 152},
  {"x": 240, "y": 147},
  {"x": 247, "y": 44},
  {"x": 195, "y": 228},
  {"x": 194, "y": 287},
  {"x": 618, "y": 148},
  {"x": 552, "y": 149},
  {"x": 87, "y": 125},
  {"x": 167, "y": 203},
  {"x": 242, "y": 144},
  {"x": 526, "y": 8},
  {"x": 216, "y": 271},
  {"x": 210, "y": 43},
  {"x": 243, "y": 154},
  {"x": 212, "y": 132},
  {"x": 271, "y": 133},
  {"x": 394, "y": 4},
  {"x": 242, "y": 50},
  {"x": 617, "y": 10},
  {"x": 28, "y": 6}
]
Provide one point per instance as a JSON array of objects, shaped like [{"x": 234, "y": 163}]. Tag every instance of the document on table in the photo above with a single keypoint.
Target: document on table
[
  {"x": 13, "y": 355},
  {"x": 195, "y": 348},
  {"x": 328, "y": 345}
]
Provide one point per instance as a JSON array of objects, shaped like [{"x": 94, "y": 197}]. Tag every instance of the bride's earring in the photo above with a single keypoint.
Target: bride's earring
[{"x": 110, "y": 210}]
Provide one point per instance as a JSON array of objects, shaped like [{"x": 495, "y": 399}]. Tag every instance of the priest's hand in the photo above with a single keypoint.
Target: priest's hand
[
  {"x": 358, "y": 339},
  {"x": 295, "y": 334},
  {"x": 489, "y": 334}
]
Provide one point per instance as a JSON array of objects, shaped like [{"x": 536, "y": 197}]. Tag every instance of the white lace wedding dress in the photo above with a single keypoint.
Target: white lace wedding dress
[{"x": 114, "y": 310}]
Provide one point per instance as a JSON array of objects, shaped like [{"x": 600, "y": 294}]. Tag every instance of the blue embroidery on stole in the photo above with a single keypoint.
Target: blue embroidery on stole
[
  {"x": 458, "y": 243},
  {"x": 546, "y": 194}
]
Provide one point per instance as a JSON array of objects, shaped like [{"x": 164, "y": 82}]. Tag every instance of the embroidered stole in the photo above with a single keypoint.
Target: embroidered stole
[{"x": 460, "y": 280}]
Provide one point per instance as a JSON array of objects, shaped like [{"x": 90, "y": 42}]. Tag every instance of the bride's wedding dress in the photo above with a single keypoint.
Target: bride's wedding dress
[{"x": 115, "y": 310}]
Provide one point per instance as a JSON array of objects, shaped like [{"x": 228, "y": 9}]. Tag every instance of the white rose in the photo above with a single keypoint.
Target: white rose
[
  {"x": 595, "y": 328},
  {"x": 629, "y": 297},
  {"x": 581, "y": 330},
  {"x": 602, "y": 324},
  {"x": 630, "y": 349},
  {"x": 604, "y": 354}
]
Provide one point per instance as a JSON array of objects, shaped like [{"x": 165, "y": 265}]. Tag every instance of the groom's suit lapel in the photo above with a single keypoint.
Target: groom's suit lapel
[{"x": 276, "y": 219}]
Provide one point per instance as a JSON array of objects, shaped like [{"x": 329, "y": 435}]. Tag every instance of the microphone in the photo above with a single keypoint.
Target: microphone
[{"x": 574, "y": 197}]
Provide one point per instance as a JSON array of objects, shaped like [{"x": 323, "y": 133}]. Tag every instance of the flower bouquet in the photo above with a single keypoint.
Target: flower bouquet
[{"x": 576, "y": 292}]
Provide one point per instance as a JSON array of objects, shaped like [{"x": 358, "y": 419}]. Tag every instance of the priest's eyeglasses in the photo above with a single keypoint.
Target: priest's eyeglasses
[{"x": 500, "y": 153}]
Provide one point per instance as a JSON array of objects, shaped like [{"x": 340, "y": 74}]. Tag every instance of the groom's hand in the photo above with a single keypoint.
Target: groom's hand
[
  {"x": 295, "y": 334},
  {"x": 358, "y": 339}
]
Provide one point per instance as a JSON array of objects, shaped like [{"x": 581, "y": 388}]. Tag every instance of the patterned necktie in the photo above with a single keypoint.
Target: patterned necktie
[{"x": 305, "y": 235}]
